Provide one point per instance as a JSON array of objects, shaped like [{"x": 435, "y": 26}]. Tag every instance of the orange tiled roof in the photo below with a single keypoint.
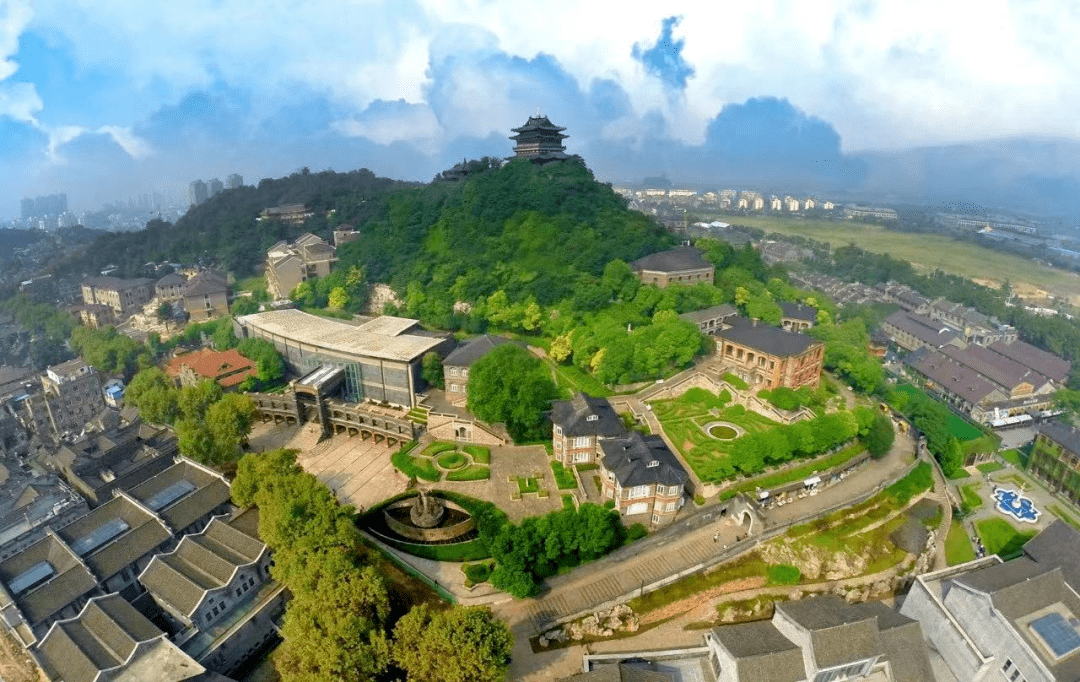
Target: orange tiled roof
[{"x": 228, "y": 368}]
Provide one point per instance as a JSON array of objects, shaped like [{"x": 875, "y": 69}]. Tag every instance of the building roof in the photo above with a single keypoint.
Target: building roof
[
  {"x": 952, "y": 377},
  {"x": 228, "y": 368},
  {"x": 367, "y": 340},
  {"x": 104, "y": 636},
  {"x": 839, "y": 632},
  {"x": 675, "y": 260},
  {"x": 717, "y": 311},
  {"x": 762, "y": 652},
  {"x": 1058, "y": 545},
  {"x": 621, "y": 672},
  {"x": 206, "y": 561},
  {"x": 931, "y": 332},
  {"x": 183, "y": 493},
  {"x": 798, "y": 311},
  {"x": 1001, "y": 370},
  {"x": 474, "y": 349},
  {"x": 537, "y": 123},
  {"x": 1064, "y": 435},
  {"x": 642, "y": 460},
  {"x": 1037, "y": 359},
  {"x": 115, "y": 283},
  {"x": 65, "y": 580},
  {"x": 114, "y": 535},
  {"x": 766, "y": 338},
  {"x": 584, "y": 415},
  {"x": 206, "y": 282}
]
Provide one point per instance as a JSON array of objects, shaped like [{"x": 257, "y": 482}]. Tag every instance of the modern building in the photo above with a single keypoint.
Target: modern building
[
  {"x": 228, "y": 368},
  {"x": 215, "y": 187},
  {"x": 234, "y": 181},
  {"x": 197, "y": 192},
  {"x": 457, "y": 364},
  {"x": 578, "y": 426},
  {"x": 1015, "y": 620},
  {"x": 642, "y": 476},
  {"x": 109, "y": 639},
  {"x": 768, "y": 357},
  {"x": 912, "y": 332},
  {"x": 540, "y": 141},
  {"x": 287, "y": 214},
  {"x": 290, "y": 263},
  {"x": 796, "y": 317},
  {"x": 1055, "y": 458},
  {"x": 869, "y": 212},
  {"x": 683, "y": 265},
  {"x": 381, "y": 357},
  {"x": 206, "y": 296},
  {"x": 70, "y": 397},
  {"x": 821, "y": 639},
  {"x": 124, "y": 296}
]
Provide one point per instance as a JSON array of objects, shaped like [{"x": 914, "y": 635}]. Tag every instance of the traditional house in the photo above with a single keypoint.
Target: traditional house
[
  {"x": 578, "y": 426},
  {"x": 683, "y": 265},
  {"x": 228, "y": 368},
  {"x": 124, "y": 296},
  {"x": 796, "y": 317},
  {"x": 912, "y": 332}
]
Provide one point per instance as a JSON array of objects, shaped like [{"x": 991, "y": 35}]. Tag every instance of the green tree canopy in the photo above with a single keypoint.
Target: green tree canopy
[
  {"x": 431, "y": 370},
  {"x": 461, "y": 644},
  {"x": 153, "y": 392},
  {"x": 879, "y": 439},
  {"x": 513, "y": 386}
]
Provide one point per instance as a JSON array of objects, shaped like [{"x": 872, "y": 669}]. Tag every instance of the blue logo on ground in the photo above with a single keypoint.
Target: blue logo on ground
[{"x": 1021, "y": 508}]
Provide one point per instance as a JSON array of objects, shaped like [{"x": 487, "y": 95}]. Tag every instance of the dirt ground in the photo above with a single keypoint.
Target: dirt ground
[{"x": 15, "y": 664}]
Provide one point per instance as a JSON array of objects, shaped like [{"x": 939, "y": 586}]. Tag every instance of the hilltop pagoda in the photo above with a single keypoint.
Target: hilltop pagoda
[{"x": 540, "y": 141}]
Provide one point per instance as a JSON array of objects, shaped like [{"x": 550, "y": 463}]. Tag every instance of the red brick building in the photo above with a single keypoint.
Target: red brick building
[{"x": 768, "y": 357}]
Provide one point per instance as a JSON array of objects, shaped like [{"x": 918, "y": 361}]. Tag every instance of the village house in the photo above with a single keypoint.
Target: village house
[
  {"x": 124, "y": 296},
  {"x": 796, "y": 317},
  {"x": 578, "y": 426},
  {"x": 290, "y": 263},
  {"x": 228, "y": 368}
]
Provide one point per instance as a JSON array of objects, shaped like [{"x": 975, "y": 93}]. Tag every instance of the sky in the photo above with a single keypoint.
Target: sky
[{"x": 106, "y": 99}]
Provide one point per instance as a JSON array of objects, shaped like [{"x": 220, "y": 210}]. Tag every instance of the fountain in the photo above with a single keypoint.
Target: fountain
[
  {"x": 426, "y": 511},
  {"x": 426, "y": 518}
]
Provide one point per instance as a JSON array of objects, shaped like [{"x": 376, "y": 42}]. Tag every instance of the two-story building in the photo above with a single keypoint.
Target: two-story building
[
  {"x": 797, "y": 317},
  {"x": 206, "y": 296},
  {"x": 125, "y": 296},
  {"x": 457, "y": 364},
  {"x": 684, "y": 265},
  {"x": 711, "y": 319},
  {"x": 1055, "y": 458},
  {"x": 578, "y": 426},
  {"x": 768, "y": 357},
  {"x": 228, "y": 368},
  {"x": 912, "y": 332},
  {"x": 642, "y": 476}
]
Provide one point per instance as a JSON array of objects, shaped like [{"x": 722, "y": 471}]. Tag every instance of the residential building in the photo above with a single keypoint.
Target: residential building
[
  {"x": 768, "y": 357},
  {"x": 185, "y": 496},
  {"x": 1055, "y": 458},
  {"x": 905, "y": 297},
  {"x": 809, "y": 203},
  {"x": 457, "y": 364},
  {"x": 1015, "y": 620},
  {"x": 70, "y": 397},
  {"x": 30, "y": 503},
  {"x": 234, "y": 181},
  {"x": 710, "y": 318},
  {"x": 124, "y": 296},
  {"x": 820, "y": 639},
  {"x": 578, "y": 426},
  {"x": 110, "y": 640},
  {"x": 95, "y": 315},
  {"x": 796, "y": 317},
  {"x": 381, "y": 357},
  {"x": 683, "y": 265},
  {"x": 539, "y": 141},
  {"x": 228, "y": 368},
  {"x": 170, "y": 287},
  {"x": 287, "y": 214},
  {"x": 912, "y": 332},
  {"x": 776, "y": 203},
  {"x": 215, "y": 187},
  {"x": 971, "y": 324},
  {"x": 643, "y": 476},
  {"x": 345, "y": 234},
  {"x": 828, "y": 206},
  {"x": 197, "y": 192},
  {"x": 206, "y": 296},
  {"x": 869, "y": 212},
  {"x": 290, "y": 263},
  {"x": 791, "y": 204}
]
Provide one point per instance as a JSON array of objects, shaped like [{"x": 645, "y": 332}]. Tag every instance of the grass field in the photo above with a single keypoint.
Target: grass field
[
  {"x": 990, "y": 467},
  {"x": 1001, "y": 538},
  {"x": 929, "y": 250},
  {"x": 1014, "y": 457},
  {"x": 971, "y": 499},
  {"x": 958, "y": 547}
]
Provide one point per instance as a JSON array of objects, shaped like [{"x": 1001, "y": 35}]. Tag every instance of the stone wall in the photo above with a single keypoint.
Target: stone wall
[
  {"x": 446, "y": 427},
  {"x": 428, "y": 534}
]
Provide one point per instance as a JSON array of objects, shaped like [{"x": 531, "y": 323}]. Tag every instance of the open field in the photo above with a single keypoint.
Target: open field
[{"x": 928, "y": 250}]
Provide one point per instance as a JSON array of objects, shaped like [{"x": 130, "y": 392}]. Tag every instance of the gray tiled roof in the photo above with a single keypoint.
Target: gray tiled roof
[
  {"x": 573, "y": 417},
  {"x": 1058, "y": 545},
  {"x": 1062, "y": 434},
  {"x": 762, "y": 652},
  {"x": 931, "y": 332},
  {"x": 798, "y": 311},
  {"x": 717, "y": 311},
  {"x": 997, "y": 368},
  {"x": 474, "y": 349},
  {"x": 210, "y": 493},
  {"x": 952, "y": 376},
  {"x": 1037, "y": 359},
  {"x": 205, "y": 283},
  {"x": 642, "y": 460},
  {"x": 70, "y": 580},
  {"x": 839, "y": 633},
  {"x": 675, "y": 260},
  {"x": 766, "y": 338},
  {"x": 144, "y": 534}
]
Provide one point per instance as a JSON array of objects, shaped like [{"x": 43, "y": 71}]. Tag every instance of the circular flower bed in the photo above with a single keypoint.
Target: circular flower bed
[
  {"x": 723, "y": 430},
  {"x": 451, "y": 460}
]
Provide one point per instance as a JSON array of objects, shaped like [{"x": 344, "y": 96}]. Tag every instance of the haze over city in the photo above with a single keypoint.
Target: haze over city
[{"x": 107, "y": 101}]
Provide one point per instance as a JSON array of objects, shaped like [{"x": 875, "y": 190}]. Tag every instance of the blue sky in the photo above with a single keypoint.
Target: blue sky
[{"x": 105, "y": 99}]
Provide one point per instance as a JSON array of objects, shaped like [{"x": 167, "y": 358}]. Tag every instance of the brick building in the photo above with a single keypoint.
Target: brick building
[
  {"x": 683, "y": 265},
  {"x": 70, "y": 397},
  {"x": 768, "y": 357},
  {"x": 797, "y": 317},
  {"x": 643, "y": 476},
  {"x": 124, "y": 296},
  {"x": 228, "y": 368},
  {"x": 578, "y": 426}
]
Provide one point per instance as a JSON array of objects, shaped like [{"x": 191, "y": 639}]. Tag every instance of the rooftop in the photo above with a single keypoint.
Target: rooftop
[
  {"x": 584, "y": 415},
  {"x": 951, "y": 376},
  {"x": 675, "y": 260},
  {"x": 798, "y": 311},
  {"x": 717, "y": 311},
  {"x": 642, "y": 460},
  {"x": 931, "y": 332},
  {"x": 183, "y": 493},
  {"x": 473, "y": 349},
  {"x": 381, "y": 338},
  {"x": 228, "y": 367},
  {"x": 1037, "y": 359},
  {"x": 766, "y": 338},
  {"x": 44, "y": 578},
  {"x": 1062, "y": 434},
  {"x": 206, "y": 282}
]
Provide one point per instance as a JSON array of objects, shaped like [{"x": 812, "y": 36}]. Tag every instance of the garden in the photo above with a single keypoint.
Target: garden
[
  {"x": 1002, "y": 538},
  {"x": 455, "y": 461},
  {"x": 958, "y": 547}
]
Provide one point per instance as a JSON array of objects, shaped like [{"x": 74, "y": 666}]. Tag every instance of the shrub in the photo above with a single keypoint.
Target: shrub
[
  {"x": 699, "y": 500},
  {"x": 413, "y": 467},
  {"x": 610, "y": 504},
  {"x": 439, "y": 446},
  {"x": 475, "y": 472},
  {"x": 451, "y": 460},
  {"x": 477, "y": 573},
  {"x": 480, "y": 454},
  {"x": 736, "y": 381},
  {"x": 636, "y": 532}
]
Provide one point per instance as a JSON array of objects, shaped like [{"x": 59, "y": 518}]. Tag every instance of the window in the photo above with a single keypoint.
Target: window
[
  {"x": 558, "y": 430},
  {"x": 453, "y": 371},
  {"x": 656, "y": 518},
  {"x": 669, "y": 507},
  {"x": 639, "y": 491},
  {"x": 1008, "y": 664},
  {"x": 238, "y": 592},
  {"x": 581, "y": 442},
  {"x": 611, "y": 476},
  {"x": 661, "y": 490},
  {"x": 582, "y": 456}
]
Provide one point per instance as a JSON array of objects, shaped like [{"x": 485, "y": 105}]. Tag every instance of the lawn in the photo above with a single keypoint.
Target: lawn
[
  {"x": 472, "y": 550},
  {"x": 971, "y": 500},
  {"x": 438, "y": 446},
  {"x": 480, "y": 453},
  {"x": 933, "y": 251},
  {"x": 1014, "y": 457},
  {"x": 568, "y": 501},
  {"x": 990, "y": 467},
  {"x": 251, "y": 283},
  {"x": 965, "y": 431},
  {"x": 1065, "y": 516},
  {"x": 958, "y": 547},
  {"x": 418, "y": 467},
  {"x": 473, "y": 472},
  {"x": 564, "y": 477},
  {"x": 451, "y": 460},
  {"x": 571, "y": 380},
  {"x": 527, "y": 484},
  {"x": 1002, "y": 538}
]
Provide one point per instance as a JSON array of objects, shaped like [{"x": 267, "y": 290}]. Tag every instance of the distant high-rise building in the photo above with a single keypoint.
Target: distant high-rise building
[
  {"x": 234, "y": 181},
  {"x": 196, "y": 192},
  {"x": 27, "y": 208},
  {"x": 46, "y": 205},
  {"x": 215, "y": 187}
]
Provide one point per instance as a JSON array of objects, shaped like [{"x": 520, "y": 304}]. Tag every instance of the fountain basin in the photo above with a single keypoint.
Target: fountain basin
[{"x": 454, "y": 522}]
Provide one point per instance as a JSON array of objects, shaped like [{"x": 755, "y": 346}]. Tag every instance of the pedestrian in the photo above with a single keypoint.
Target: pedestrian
[{"x": 716, "y": 536}]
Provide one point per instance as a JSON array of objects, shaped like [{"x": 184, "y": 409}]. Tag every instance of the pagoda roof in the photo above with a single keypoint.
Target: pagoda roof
[{"x": 538, "y": 123}]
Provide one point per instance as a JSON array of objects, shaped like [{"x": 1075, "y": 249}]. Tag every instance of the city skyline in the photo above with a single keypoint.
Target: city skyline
[{"x": 92, "y": 105}]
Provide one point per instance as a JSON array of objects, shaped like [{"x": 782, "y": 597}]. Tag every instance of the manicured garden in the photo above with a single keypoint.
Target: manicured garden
[
  {"x": 958, "y": 547},
  {"x": 970, "y": 500},
  {"x": 1002, "y": 538},
  {"x": 564, "y": 477},
  {"x": 458, "y": 462},
  {"x": 990, "y": 467}
]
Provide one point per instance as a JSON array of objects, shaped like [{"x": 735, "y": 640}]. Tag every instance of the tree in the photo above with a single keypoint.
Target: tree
[
  {"x": 196, "y": 400},
  {"x": 560, "y": 348},
  {"x": 879, "y": 439},
  {"x": 511, "y": 385},
  {"x": 152, "y": 391},
  {"x": 431, "y": 370},
  {"x": 461, "y": 644},
  {"x": 164, "y": 313},
  {"x": 229, "y": 422},
  {"x": 339, "y": 298}
]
